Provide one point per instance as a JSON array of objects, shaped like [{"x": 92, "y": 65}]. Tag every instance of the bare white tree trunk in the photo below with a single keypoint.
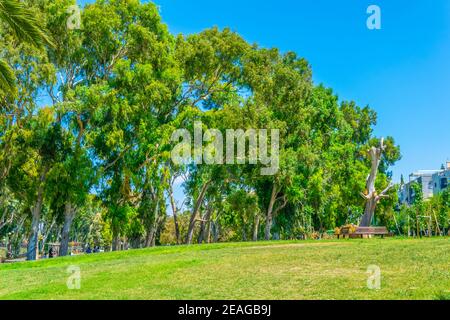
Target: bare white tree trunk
[{"x": 372, "y": 197}]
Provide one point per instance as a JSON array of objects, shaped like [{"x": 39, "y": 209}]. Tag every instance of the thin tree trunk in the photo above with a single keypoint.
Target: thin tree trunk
[
  {"x": 438, "y": 230},
  {"x": 69, "y": 215},
  {"x": 32, "y": 250},
  {"x": 255, "y": 228},
  {"x": 207, "y": 235},
  {"x": 417, "y": 225},
  {"x": 9, "y": 248},
  {"x": 203, "y": 236},
  {"x": 47, "y": 233},
  {"x": 4, "y": 221},
  {"x": 409, "y": 227},
  {"x": 269, "y": 215},
  {"x": 202, "y": 230},
  {"x": 216, "y": 231},
  {"x": 16, "y": 239},
  {"x": 195, "y": 212},
  {"x": 175, "y": 215},
  {"x": 151, "y": 232}
]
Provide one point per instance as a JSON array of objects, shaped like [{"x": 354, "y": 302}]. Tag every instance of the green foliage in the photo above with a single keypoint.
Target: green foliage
[
  {"x": 25, "y": 25},
  {"x": 117, "y": 89}
]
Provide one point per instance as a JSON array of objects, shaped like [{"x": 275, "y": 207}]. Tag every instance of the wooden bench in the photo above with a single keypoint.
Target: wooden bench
[{"x": 364, "y": 231}]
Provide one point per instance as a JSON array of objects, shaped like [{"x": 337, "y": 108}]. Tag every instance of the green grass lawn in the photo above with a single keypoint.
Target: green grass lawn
[{"x": 410, "y": 269}]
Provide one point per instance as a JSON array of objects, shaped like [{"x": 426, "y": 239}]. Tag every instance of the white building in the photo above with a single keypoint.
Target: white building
[
  {"x": 441, "y": 180},
  {"x": 432, "y": 182}
]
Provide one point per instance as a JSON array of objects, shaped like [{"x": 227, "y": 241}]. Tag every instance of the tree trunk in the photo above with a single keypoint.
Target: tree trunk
[
  {"x": 371, "y": 205},
  {"x": 135, "y": 242},
  {"x": 207, "y": 235},
  {"x": 269, "y": 215},
  {"x": 151, "y": 232},
  {"x": 201, "y": 233},
  {"x": 5, "y": 220},
  {"x": 46, "y": 234},
  {"x": 32, "y": 250},
  {"x": 419, "y": 235},
  {"x": 175, "y": 215},
  {"x": 9, "y": 253},
  {"x": 372, "y": 197},
  {"x": 151, "y": 236},
  {"x": 203, "y": 236},
  {"x": 255, "y": 229},
  {"x": 115, "y": 239},
  {"x": 244, "y": 234},
  {"x": 216, "y": 231},
  {"x": 69, "y": 215},
  {"x": 438, "y": 230},
  {"x": 195, "y": 212}
]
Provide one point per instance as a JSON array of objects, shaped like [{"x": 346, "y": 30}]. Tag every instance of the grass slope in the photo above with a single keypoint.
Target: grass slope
[{"x": 411, "y": 269}]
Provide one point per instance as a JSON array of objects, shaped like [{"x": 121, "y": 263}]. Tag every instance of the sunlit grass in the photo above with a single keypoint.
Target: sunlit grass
[{"x": 410, "y": 268}]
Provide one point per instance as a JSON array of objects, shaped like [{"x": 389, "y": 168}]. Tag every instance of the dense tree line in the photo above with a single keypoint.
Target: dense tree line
[{"x": 86, "y": 132}]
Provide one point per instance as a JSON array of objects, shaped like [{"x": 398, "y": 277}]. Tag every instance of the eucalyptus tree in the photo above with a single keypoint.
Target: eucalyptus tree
[
  {"x": 42, "y": 145},
  {"x": 211, "y": 64},
  {"x": 131, "y": 53},
  {"x": 280, "y": 85},
  {"x": 72, "y": 177},
  {"x": 177, "y": 176},
  {"x": 29, "y": 140},
  {"x": 321, "y": 142},
  {"x": 242, "y": 212},
  {"x": 121, "y": 84}
]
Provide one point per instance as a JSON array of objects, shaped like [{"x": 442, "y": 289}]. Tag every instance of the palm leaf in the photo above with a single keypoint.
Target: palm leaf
[
  {"x": 23, "y": 23},
  {"x": 7, "y": 79}
]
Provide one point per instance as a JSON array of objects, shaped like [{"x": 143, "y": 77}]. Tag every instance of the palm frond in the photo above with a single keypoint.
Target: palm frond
[
  {"x": 7, "y": 79},
  {"x": 23, "y": 23}
]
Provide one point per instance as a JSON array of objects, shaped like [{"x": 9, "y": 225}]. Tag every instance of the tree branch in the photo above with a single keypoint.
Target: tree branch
[{"x": 285, "y": 202}]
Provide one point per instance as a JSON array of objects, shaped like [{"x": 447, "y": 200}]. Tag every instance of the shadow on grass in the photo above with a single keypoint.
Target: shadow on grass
[{"x": 442, "y": 296}]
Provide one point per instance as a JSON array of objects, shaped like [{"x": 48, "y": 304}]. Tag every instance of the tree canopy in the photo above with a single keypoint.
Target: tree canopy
[{"x": 85, "y": 143}]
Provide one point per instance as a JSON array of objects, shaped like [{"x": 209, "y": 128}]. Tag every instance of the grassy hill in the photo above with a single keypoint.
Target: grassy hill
[{"x": 410, "y": 269}]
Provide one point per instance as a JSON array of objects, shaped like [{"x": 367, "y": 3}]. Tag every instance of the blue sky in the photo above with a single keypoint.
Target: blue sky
[{"x": 402, "y": 71}]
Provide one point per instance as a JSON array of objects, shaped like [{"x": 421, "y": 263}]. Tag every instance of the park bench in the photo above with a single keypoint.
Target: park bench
[{"x": 362, "y": 232}]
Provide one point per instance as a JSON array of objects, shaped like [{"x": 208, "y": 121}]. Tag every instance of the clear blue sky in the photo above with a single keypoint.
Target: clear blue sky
[{"x": 402, "y": 71}]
